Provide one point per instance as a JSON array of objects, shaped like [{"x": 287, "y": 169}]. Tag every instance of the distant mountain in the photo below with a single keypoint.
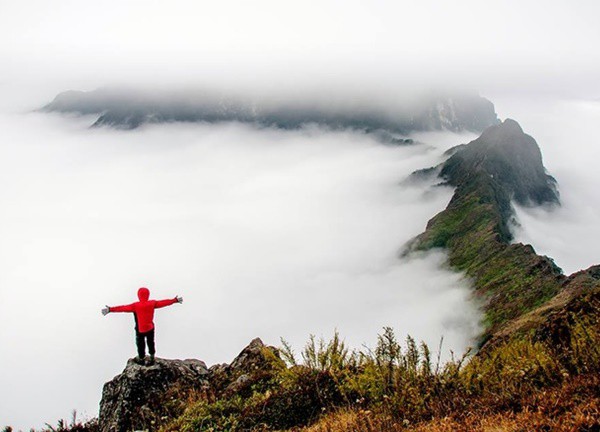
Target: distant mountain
[{"x": 129, "y": 109}]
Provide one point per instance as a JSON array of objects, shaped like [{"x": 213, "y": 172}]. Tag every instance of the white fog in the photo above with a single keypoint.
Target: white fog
[{"x": 264, "y": 233}]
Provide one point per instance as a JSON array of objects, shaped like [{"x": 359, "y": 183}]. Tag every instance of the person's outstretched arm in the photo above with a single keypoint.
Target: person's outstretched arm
[
  {"x": 124, "y": 308},
  {"x": 168, "y": 302}
]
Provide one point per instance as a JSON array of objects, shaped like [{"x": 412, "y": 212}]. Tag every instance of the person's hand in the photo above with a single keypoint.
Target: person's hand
[
  {"x": 179, "y": 299},
  {"x": 105, "y": 310}
]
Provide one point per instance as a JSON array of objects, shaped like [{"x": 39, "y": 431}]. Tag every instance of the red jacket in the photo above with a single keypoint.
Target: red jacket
[{"x": 143, "y": 310}]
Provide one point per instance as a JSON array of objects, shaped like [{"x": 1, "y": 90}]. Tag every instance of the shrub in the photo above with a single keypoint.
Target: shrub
[{"x": 395, "y": 384}]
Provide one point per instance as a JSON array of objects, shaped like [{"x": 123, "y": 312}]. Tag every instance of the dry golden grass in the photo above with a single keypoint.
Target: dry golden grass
[
  {"x": 547, "y": 380},
  {"x": 572, "y": 406}
]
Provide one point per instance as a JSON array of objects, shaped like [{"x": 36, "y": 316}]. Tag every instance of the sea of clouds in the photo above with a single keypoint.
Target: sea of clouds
[{"x": 264, "y": 232}]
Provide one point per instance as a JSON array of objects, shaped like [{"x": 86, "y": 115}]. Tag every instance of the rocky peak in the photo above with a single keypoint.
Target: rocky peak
[{"x": 511, "y": 158}]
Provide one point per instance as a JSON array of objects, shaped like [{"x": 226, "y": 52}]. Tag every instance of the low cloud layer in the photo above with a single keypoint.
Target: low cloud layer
[{"x": 264, "y": 232}]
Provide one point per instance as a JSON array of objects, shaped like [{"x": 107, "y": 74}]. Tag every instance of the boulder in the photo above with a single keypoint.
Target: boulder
[{"x": 145, "y": 397}]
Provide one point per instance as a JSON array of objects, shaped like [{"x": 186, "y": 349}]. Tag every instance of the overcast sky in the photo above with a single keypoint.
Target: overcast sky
[{"x": 518, "y": 45}]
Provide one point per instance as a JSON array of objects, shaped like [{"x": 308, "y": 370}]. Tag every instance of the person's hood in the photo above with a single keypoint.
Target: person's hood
[{"x": 143, "y": 294}]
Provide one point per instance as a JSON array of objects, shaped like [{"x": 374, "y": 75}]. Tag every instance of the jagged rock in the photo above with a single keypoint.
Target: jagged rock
[
  {"x": 239, "y": 384},
  {"x": 144, "y": 397},
  {"x": 253, "y": 364},
  {"x": 252, "y": 357}
]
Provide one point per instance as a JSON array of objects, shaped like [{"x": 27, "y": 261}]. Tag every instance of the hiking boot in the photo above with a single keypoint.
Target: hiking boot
[
  {"x": 139, "y": 360},
  {"x": 150, "y": 361}
]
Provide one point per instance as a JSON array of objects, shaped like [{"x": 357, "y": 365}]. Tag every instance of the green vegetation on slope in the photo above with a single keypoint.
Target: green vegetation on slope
[
  {"x": 511, "y": 278},
  {"x": 474, "y": 229}
]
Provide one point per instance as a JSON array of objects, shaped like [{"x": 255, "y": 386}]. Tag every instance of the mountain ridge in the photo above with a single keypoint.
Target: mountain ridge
[
  {"x": 502, "y": 165},
  {"x": 130, "y": 109}
]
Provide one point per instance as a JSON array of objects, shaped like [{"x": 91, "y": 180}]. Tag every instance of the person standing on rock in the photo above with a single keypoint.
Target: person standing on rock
[{"x": 143, "y": 312}]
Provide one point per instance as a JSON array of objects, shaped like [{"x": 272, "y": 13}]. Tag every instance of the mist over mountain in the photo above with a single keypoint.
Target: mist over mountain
[
  {"x": 536, "y": 319},
  {"x": 502, "y": 166},
  {"x": 129, "y": 109},
  {"x": 266, "y": 232},
  {"x": 256, "y": 159}
]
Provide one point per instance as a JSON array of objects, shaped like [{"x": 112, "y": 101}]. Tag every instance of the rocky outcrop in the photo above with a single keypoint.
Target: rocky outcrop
[
  {"x": 146, "y": 397},
  {"x": 129, "y": 109},
  {"x": 254, "y": 364}
]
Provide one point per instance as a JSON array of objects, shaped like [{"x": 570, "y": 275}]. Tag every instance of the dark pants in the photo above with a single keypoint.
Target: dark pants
[{"x": 140, "y": 341}]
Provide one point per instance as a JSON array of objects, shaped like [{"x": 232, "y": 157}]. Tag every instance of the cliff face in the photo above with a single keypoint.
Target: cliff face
[{"x": 127, "y": 109}]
